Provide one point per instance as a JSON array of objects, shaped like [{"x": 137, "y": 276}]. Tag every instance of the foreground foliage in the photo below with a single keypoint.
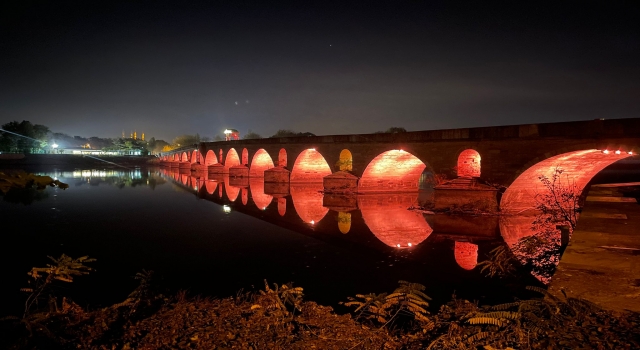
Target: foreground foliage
[{"x": 279, "y": 318}]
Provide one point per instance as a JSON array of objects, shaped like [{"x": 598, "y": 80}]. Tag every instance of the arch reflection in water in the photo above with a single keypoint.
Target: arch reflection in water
[
  {"x": 232, "y": 191},
  {"x": 466, "y": 255},
  {"x": 260, "y": 199},
  {"x": 344, "y": 222},
  {"x": 387, "y": 217},
  {"x": 210, "y": 186},
  {"x": 307, "y": 200},
  {"x": 539, "y": 249},
  {"x": 282, "y": 206}
]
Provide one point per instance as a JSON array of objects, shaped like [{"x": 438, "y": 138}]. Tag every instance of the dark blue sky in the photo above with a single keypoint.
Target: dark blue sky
[{"x": 94, "y": 68}]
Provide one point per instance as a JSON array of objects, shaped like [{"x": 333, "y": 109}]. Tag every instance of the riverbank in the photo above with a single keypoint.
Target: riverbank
[
  {"x": 278, "y": 318},
  {"x": 73, "y": 161}
]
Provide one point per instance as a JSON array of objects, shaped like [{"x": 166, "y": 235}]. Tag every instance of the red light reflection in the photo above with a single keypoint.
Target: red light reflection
[
  {"x": 260, "y": 199},
  {"x": 307, "y": 200},
  {"x": 389, "y": 220},
  {"x": 466, "y": 255}
]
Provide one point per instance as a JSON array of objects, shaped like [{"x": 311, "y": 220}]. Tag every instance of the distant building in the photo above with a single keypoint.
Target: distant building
[
  {"x": 231, "y": 134},
  {"x": 99, "y": 152}
]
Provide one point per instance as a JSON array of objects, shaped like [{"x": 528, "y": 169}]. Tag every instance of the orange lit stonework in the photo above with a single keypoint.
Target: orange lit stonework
[
  {"x": 392, "y": 171},
  {"x": 310, "y": 166},
  {"x": 261, "y": 161},
  {"x": 578, "y": 167}
]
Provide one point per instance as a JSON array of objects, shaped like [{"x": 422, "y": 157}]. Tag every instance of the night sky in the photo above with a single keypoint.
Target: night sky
[{"x": 94, "y": 68}]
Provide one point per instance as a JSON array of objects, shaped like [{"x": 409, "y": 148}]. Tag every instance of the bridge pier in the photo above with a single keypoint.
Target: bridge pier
[
  {"x": 174, "y": 164},
  {"x": 198, "y": 167},
  {"x": 277, "y": 175},
  {"x": 466, "y": 193},
  {"x": 216, "y": 169},
  {"x": 184, "y": 165},
  {"x": 340, "y": 182},
  {"x": 239, "y": 171}
]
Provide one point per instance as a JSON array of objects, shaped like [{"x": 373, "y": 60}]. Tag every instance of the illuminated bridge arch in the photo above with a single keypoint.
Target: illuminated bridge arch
[
  {"x": 578, "y": 167},
  {"x": 194, "y": 157},
  {"x": 392, "y": 171},
  {"x": 245, "y": 157},
  {"x": 232, "y": 159},
  {"x": 345, "y": 161},
  {"x": 261, "y": 161},
  {"x": 310, "y": 166},
  {"x": 211, "y": 158},
  {"x": 282, "y": 158},
  {"x": 466, "y": 255},
  {"x": 469, "y": 163}
]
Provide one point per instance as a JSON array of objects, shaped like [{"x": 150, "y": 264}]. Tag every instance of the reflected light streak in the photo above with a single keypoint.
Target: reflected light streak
[{"x": 307, "y": 201}]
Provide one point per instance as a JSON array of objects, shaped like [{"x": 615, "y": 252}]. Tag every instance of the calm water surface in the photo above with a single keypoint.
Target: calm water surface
[{"x": 215, "y": 236}]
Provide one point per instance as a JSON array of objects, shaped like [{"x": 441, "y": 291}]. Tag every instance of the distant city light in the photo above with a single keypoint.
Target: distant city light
[
  {"x": 226, "y": 209},
  {"x": 55, "y": 145},
  {"x": 227, "y": 131}
]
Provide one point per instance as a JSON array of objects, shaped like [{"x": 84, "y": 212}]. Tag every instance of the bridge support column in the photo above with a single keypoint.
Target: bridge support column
[
  {"x": 239, "y": 171},
  {"x": 466, "y": 194},
  {"x": 174, "y": 164},
  {"x": 340, "y": 182},
  {"x": 276, "y": 175},
  {"x": 184, "y": 165},
  {"x": 276, "y": 189}
]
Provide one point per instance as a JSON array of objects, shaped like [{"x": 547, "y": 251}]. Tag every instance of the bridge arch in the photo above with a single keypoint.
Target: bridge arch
[
  {"x": 345, "y": 161},
  {"x": 232, "y": 159},
  {"x": 578, "y": 168},
  {"x": 261, "y": 161},
  {"x": 194, "y": 157},
  {"x": 282, "y": 158},
  {"x": 469, "y": 163},
  {"x": 392, "y": 171},
  {"x": 310, "y": 166},
  {"x": 211, "y": 158},
  {"x": 245, "y": 157}
]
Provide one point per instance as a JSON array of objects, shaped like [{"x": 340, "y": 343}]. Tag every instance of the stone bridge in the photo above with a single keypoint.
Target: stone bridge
[{"x": 473, "y": 161}]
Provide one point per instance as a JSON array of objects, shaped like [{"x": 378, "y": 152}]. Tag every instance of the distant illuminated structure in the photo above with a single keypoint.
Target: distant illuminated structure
[
  {"x": 231, "y": 134},
  {"x": 134, "y": 135}
]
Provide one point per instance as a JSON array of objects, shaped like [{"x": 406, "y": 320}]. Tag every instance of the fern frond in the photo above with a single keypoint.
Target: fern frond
[
  {"x": 487, "y": 321},
  {"x": 478, "y": 336},
  {"x": 502, "y": 314},
  {"x": 506, "y": 306}
]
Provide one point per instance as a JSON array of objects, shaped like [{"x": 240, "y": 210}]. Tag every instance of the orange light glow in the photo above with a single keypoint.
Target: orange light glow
[
  {"x": 346, "y": 160},
  {"x": 232, "y": 192},
  {"x": 261, "y": 161},
  {"x": 344, "y": 222},
  {"x": 245, "y": 195},
  {"x": 211, "y": 158},
  {"x": 260, "y": 199},
  {"x": 387, "y": 217},
  {"x": 282, "y": 157},
  {"x": 194, "y": 157},
  {"x": 282, "y": 206},
  {"x": 466, "y": 255},
  {"x": 245, "y": 157},
  {"x": 392, "y": 171},
  {"x": 307, "y": 200},
  {"x": 469, "y": 163},
  {"x": 211, "y": 186},
  {"x": 231, "y": 160},
  {"x": 578, "y": 167},
  {"x": 310, "y": 167}
]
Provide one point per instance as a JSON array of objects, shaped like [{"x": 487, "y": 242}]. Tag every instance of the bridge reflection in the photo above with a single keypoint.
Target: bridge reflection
[{"x": 359, "y": 218}]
